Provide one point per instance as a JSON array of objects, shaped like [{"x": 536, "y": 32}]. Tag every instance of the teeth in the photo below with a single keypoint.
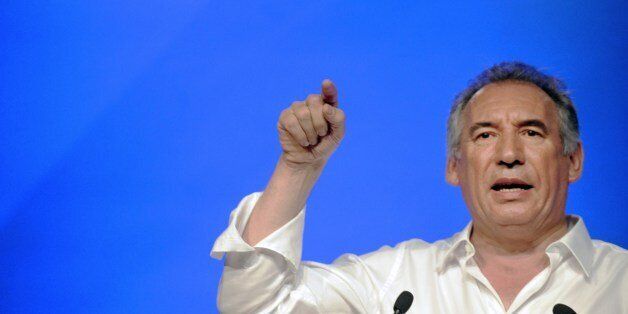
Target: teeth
[{"x": 511, "y": 190}]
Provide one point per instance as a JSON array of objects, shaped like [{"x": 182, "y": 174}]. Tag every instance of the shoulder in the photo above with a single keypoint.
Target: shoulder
[
  {"x": 413, "y": 247},
  {"x": 387, "y": 255},
  {"x": 388, "y": 260},
  {"x": 610, "y": 261},
  {"x": 609, "y": 253}
]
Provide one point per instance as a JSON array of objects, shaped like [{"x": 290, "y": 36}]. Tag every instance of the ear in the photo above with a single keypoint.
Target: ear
[
  {"x": 576, "y": 160},
  {"x": 451, "y": 173}
]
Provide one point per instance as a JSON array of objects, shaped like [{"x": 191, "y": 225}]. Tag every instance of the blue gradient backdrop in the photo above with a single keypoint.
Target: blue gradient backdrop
[{"x": 129, "y": 131}]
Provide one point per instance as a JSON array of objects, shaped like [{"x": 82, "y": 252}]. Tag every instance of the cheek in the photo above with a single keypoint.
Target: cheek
[
  {"x": 478, "y": 161},
  {"x": 551, "y": 168},
  {"x": 474, "y": 167}
]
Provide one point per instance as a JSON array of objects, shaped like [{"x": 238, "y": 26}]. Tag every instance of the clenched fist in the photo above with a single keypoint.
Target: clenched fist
[{"x": 310, "y": 130}]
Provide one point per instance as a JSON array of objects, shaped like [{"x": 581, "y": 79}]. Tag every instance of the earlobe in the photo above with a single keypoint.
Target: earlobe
[
  {"x": 576, "y": 161},
  {"x": 451, "y": 173}
]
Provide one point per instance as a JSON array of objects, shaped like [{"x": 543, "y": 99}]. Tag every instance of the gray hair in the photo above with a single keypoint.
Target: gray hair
[{"x": 517, "y": 71}]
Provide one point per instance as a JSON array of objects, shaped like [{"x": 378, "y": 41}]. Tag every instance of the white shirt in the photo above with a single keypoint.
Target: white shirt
[{"x": 590, "y": 276}]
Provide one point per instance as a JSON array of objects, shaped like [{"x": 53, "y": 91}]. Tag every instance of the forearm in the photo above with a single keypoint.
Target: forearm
[{"x": 284, "y": 196}]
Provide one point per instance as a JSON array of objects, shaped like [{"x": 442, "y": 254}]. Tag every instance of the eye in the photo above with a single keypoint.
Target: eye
[
  {"x": 532, "y": 133},
  {"x": 484, "y": 135}
]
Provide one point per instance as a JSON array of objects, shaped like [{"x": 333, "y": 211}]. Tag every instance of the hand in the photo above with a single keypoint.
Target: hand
[{"x": 311, "y": 130}]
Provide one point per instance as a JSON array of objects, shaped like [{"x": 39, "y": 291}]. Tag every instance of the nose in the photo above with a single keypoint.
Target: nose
[{"x": 510, "y": 151}]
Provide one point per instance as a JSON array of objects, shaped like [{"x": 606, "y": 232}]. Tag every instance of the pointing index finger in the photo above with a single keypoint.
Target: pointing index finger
[{"x": 329, "y": 93}]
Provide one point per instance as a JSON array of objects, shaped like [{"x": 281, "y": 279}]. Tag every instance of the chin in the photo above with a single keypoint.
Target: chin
[{"x": 513, "y": 214}]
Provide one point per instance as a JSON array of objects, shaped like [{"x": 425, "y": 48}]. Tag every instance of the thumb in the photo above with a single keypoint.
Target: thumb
[
  {"x": 329, "y": 93},
  {"x": 335, "y": 117}
]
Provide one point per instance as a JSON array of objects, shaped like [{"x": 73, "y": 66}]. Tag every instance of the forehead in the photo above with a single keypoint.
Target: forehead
[{"x": 510, "y": 101}]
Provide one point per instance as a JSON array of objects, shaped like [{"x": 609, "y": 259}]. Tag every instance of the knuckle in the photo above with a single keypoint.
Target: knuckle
[
  {"x": 291, "y": 124},
  {"x": 283, "y": 114},
  {"x": 313, "y": 98},
  {"x": 340, "y": 114},
  {"x": 303, "y": 115},
  {"x": 296, "y": 104},
  {"x": 320, "y": 126},
  {"x": 317, "y": 110}
]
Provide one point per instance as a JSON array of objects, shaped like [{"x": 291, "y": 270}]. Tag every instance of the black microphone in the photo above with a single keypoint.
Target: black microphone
[
  {"x": 404, "y": 300},
  {"x": 562, "y": 309}
]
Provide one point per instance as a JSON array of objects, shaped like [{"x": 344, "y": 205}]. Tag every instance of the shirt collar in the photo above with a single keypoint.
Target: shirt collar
[
  {"x": 576, "y": 240},
  {"x": 459, "y": 245}
]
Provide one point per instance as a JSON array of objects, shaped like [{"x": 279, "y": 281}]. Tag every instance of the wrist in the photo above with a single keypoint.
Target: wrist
[
  {"x": 295, "y": 169},
  {"x": 294, "y": 182}
]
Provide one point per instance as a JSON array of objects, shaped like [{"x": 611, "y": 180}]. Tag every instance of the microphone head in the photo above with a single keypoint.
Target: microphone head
[
  {"x": 562, "y": 309},
  {"x": 404, "y": 300}
]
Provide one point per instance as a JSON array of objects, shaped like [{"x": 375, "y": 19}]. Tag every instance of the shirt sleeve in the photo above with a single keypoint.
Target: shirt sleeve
[
  {"x": 285, "y": 241},
  {"x": 269, "y": 277}
]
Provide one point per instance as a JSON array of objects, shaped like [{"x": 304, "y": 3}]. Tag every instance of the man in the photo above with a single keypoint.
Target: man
[{"x": 513, "y": 148}]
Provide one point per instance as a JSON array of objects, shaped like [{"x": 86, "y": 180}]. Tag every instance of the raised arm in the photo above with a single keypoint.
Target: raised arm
[
  {"x": 263, "y": 270},
  {"x": 309, "y": 132}
]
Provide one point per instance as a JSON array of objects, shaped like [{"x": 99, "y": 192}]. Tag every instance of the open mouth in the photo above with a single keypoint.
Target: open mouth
[{"x": 510, "y": 185}]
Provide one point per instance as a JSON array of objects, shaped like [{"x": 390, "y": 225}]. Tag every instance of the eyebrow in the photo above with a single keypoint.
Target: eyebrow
[
  {"x": 479, "y": 125},
  {"x": 534, "y": 122},
  {"x": 530, "y": 122}
]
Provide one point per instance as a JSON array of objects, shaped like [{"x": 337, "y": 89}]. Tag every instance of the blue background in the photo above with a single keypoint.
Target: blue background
[{"x": 129, "y": 131}]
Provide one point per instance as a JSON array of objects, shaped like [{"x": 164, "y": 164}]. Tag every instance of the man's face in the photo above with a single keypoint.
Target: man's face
[{"x": 511, "y": 168}]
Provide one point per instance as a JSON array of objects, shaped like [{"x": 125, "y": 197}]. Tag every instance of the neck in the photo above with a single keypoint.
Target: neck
[
  {"x": 516, "y": 241},
  {"x": 509, "y": 257}
]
